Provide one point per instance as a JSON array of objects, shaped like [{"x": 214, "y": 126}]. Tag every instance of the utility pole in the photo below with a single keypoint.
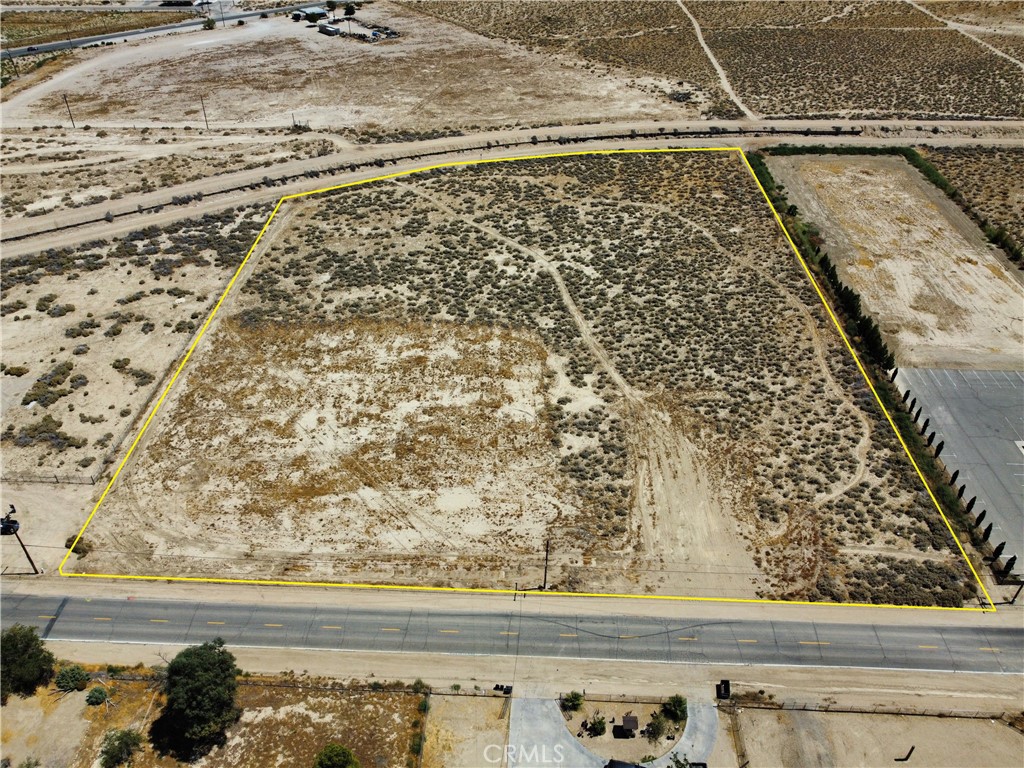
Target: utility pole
[
  {"x": 203, "y": 105},
  {"x": 14, "y": 63},
  {"x": 547, "y": 551},
  {"x": 65, "y": 97},
  {"x": 35, "y": 571},
  {"x": 221, "y": 6}
]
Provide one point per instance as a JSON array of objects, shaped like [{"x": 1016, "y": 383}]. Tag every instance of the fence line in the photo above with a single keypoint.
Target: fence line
[{"x": 970, "y": 714}]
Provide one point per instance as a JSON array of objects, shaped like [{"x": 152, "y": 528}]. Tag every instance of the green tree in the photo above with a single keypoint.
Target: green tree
[
  {"x": 331, "y": 5},
  {"x": 119, "y": 746},
  {"x": 350, "y": 9},
  {"x": 572, "y": 701},
  {"x": 336, "y": 756},
  {"x": 209, "y": 24},
  {"x": 657, "y": 728},
  {"x": 597, "y": 726},
  {"x": 72, "y": 678},
  {"x": 675, "y": 708},
  {"x": 200, "y": 686},
  {"x": 25, "y": 664}
]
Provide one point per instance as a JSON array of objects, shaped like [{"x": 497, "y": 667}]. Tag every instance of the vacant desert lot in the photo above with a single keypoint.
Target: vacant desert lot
[
  {"x": 942, "y": 296},
  {"x": 90, "y": 332},
  {"x": 774, "y": 737},
  {"x": 432, "y": 379},
  {"x": 807, "y": 59}
]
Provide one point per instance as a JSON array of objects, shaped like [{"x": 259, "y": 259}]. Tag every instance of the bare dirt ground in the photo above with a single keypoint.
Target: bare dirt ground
[
  {"x": 773, "y": 737},
  {"x": 89, "y": 335},
  {"x": 629, "y": 459},
  {"x": 940, "y": 294},
  {"x": 461, "y": 728},
  {"x": 435, "y": 76}
]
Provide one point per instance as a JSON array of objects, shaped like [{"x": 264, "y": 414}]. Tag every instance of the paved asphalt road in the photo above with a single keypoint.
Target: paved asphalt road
[{"x": 511, "y": 632}]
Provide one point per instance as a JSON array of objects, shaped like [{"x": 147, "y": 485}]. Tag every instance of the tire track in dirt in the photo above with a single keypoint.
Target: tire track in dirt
[{"x": 677, "y": 507}]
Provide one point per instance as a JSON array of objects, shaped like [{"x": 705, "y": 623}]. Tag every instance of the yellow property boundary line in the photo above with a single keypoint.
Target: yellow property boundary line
[{"x": 460, "y": 163}]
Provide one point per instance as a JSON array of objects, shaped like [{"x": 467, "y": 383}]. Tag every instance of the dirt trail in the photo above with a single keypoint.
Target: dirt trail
[
  {"x": 680, "y": 510},
  {"x": 966, "y": 31},
  {"x": 722, "y": 77}
]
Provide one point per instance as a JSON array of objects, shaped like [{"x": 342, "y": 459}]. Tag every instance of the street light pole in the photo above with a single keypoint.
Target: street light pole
[{"x": 64, "y": 96}]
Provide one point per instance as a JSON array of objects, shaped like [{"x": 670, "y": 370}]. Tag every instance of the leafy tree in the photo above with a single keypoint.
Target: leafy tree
[
  {"x": 657, "y": 728},
  {"x": 331, "y": 5},
  {"x": 25, "y": 664},
  {"x": 572, "y": 701},
  {"x": 119, "y": 746},
  {"x": 350, "y": 9},
  {"x": 96, "y": 696},
  {"x": 336, "y": 756},
  {"x": 200, "y": 686},
  {"x": 597, "y": 726},
  {"x": 209, "y": 24},
  {"x": 72, "y": 678},
  {"x": 675, "y": 708}
]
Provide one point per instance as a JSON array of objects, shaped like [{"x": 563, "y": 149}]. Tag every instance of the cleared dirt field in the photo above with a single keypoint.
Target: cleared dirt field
[
  {"x": 774, "y": 737},
  {"x": 424, "y": 381},
  {"x": 940, "y": 294},
  {"x": 285, "y": 721},
  {"x": 435, "y": 75},
  {"x": 461, "y": 728}
]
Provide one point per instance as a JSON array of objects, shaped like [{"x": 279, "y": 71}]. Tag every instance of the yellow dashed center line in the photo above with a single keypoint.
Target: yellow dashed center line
[
  {"x": 628, "y": 637},
  {"x": 273, "y": 625},
  {"x": 993, "y": 650},
  {"x": 686, "y": 638},
  {"x": 566, "y": 634},
  {"x": 329, "y": 626},
  {"x": 448, "y": 631},
  {"x": 46, "y": 617},
  {"x": 746, "y": 641},
  {"x": 102, "y": 618},
  {"x": 390, "y": 629},
  {"x": 509, "y": 633},
  {"x": 159, "y": 621},
  {"x": 814, "y": 642},
  {"x": 215, "y": 622},
  {"x": 929, "y": 647}
]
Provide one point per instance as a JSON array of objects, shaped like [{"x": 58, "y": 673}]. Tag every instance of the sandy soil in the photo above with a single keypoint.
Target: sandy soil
[
  {"x": 435, "y": 75},
  {"x": 31, "y": 726},
  {"x": 135, "y": 303},
  {"x": 774, "y": 738},
  {"x": 596, "y": 438},
  {"x": 460, "y": 728},
  {"x": 941, "y": 295},
  {"x": 629, "y": 750}
]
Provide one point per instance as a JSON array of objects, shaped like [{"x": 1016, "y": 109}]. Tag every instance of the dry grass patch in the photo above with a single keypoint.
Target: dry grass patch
[{"x": 35, "y": 27}]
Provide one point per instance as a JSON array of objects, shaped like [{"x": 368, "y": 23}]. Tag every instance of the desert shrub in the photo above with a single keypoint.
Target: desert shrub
[
  {"x": 96, "y": 696},
  {"x": 72, "y": 678},
  {"x": 119, "y": 746},
  {"x": 335, "y": 756},
  {"x": 675, "y": 708},
  {"x": 572, "y": 701}
]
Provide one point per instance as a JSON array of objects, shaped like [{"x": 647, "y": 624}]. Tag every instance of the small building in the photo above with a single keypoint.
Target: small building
[
  {"x": 627, "y": 728},
  {"x": 309, "y": 14}
]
